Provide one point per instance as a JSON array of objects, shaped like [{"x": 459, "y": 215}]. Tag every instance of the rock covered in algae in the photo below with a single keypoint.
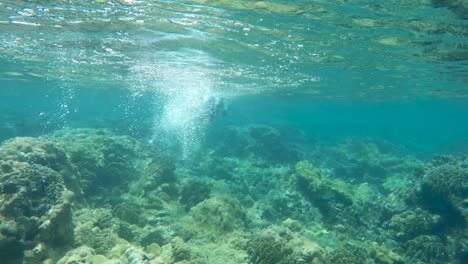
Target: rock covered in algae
[
  {"x": 369, "y": 161},
  {"x": 36, "y": 175},
  {"x": 96, "y": 228},
  {"x": 193, "y": 192},
  {"x": 35, "y": 210},
  {"x": 219, "y": 215},
  {"x": 427, "y": 249},
  {"x": 262, "y": 141},
  {"x": 331, "y": 196},
  {"x": 283, "y": 246},
  {"x": 82, "y": 254},
  {"x": 180, "y": 250},
  {"x": 103, "y": 158},
  {"x": 444, "y": 187},
  {"x": 86, "y": 255},
  {"x": 363, "y": 252},
  {"x": 415, "y": 222},
  {"x": 18, "y": 152},
  {"x": 269, "y": 247},
  {"x": 443, "y": 191}
]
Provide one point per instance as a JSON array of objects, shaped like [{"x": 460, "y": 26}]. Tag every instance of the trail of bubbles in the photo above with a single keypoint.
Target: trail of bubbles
[
  {"x": 185, "y": 112},
  {"x": 183, "y": 93},
  {"x": 62, "y": 98}
]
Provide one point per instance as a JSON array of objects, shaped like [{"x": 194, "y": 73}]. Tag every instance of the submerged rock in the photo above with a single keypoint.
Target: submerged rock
[
  {"x": 96, "y": 228},
  {"x": 330, "y": 195},
  {"x": 86, "y": 255},
  {"x": 444, "y": 188},
  {"x": 82, "y": 254},
  {"x": 194, "y": 192},
  {"x": 443, "y": 191},
  {"x": 411, "y": 223},
  {"x": 19, "y": 152},
  {"x": 283, "y": 246},
  {"x": 104, "y": 159},
  {"x": 427, "y": 249},
  {"x": 261, "y": 141},
  {"x": 269, "y": 247},
  {"x": 180, "y": 250},
  {"x": 219, "y": 215},
  {"x": 35, "y": 208},
  {"x": 132, "y": 200},
  {"x": 369, "y": 161}
]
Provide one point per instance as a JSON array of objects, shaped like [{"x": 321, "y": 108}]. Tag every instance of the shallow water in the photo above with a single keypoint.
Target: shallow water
[{"x": 252, "y": 103}]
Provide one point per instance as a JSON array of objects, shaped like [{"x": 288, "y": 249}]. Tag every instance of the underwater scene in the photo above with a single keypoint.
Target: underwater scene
[{"x": 233, "y": 131}]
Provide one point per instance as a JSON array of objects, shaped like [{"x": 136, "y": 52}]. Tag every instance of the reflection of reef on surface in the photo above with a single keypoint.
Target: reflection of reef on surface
[{"x": 91, "y": 196}]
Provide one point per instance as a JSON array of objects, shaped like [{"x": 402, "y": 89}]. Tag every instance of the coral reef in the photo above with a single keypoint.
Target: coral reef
[
  {"x": 444, "y": 188},
  {"x": 194, "y": 192},
  {"x": 79, "y": 255},
  {"x": 86, "y": 255},
  {"x": 367, "y": 202},
  {"x": 18, "y": 152},
  {"x": 96, "y": 228},
  {"x": 104, "y": 159},
  {"x": 367, "y": 252},
  {"x": 427, "y": 249},
  {"x": 368, "y": 161},
  {"x": 349, "y": 254},
  {"x": 35, "y": 211},
  {"x": 270, "y": 247},
  {"x": 220, "y": 215},
  {"x": 262, "y": 141},
  {"x": 180, "y": 250},
  {"x": 330, "y": 195},
  {"x": 284, "y": 244},
  {"x": 443, "y": 191},
  {"x": 411, "y": 223}
]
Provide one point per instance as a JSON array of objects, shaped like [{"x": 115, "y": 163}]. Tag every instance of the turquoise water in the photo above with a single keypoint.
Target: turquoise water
[{"x": 196, "y": 131}]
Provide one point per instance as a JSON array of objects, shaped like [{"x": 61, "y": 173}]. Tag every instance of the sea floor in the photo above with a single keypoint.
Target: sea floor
[{"x": 93, "y": 196}]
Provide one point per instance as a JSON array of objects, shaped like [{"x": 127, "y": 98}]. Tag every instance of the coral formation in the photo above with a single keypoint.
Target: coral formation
[
  {"x": 194, "y": 192},
  {"x": 35, "y": 211},
  {"x": 82, "y": 254},
  {"x": 444, "y": 188},
  {"x": 369, "y": 161},
  {"x": 262, "y": 141},
  {"x": 18, "y": 152},
  {"x": 104, "y": 159},
  {"x": 427, "y": 249},
  {"x": 132, "y": 204},
  {"x": 443, "y": 191},
  {"x": 219, "y": 215},
  {"x": 96, "y": 228},
  {"x": 411, "y": 223},
  {"x": 331, "y": 196},
  {"x": 283, "y": 244},
  {"x": 180, "y": 250},
  {"x": 270, "y": 247}
]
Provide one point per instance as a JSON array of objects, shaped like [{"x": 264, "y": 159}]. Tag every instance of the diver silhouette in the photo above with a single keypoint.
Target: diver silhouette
[{"x": 216, "y": 107}]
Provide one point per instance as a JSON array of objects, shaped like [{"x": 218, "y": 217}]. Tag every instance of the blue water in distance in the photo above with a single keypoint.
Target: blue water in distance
[{"x": 426, "y": 126}]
